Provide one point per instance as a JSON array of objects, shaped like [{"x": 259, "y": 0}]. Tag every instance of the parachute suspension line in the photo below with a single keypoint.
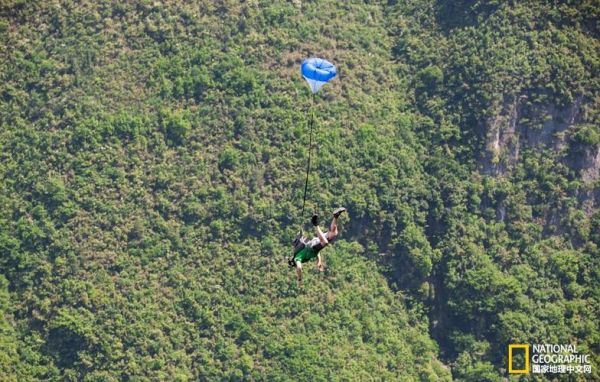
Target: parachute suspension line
[
  {"x": 310, "y": 139},
  {"x": 317, "y": 72}
]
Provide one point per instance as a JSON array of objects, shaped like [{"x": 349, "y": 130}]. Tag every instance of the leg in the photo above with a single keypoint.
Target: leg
[
  {"x": 299, "y": 273},
  {"x": 333, "y": 230}
]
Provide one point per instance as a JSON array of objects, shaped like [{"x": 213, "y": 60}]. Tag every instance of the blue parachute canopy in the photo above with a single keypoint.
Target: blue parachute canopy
[{"x": 317, "y": 72}]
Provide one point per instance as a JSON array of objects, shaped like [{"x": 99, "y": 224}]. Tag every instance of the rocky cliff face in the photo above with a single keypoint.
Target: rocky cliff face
[
  {"x": 517, "y": 125},
  {"x": 587, "y": 161}
]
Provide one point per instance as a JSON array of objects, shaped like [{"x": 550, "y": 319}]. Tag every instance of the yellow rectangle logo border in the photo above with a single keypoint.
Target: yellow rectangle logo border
[{"x": 511, "y": 347}]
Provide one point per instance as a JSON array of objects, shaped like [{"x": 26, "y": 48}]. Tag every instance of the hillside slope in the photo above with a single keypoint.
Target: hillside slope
[
  {"x": 151, "y": 172},
  {"x": 507, "y": 95},
  {"x": 150, "y": 188}
]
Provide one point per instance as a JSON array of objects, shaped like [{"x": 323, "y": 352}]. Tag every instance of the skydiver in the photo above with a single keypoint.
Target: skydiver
[{"x": 305, "y": 249}]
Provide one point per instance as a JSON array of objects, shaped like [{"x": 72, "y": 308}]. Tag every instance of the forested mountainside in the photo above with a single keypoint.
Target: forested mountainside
[{"x": 152, "y": 159}]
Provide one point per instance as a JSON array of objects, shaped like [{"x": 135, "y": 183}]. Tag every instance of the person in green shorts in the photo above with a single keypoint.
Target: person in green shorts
[{"x": 307, "y": 249}]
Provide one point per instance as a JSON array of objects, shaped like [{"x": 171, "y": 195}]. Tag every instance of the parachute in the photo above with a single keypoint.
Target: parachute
[{"x": 317, "y": 72}]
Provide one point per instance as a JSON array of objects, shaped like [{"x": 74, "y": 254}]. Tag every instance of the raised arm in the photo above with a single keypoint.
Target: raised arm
[{"x": 321, "y": 236}]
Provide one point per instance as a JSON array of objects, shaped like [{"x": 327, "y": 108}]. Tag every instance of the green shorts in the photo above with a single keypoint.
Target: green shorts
[{"x": 305, "y": 254}]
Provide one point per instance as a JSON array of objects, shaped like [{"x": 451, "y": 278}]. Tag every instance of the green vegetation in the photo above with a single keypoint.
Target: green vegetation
[{"x": 150, "y": 188}]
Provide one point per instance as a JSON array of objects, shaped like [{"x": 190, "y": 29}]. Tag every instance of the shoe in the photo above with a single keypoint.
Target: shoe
[
  {"x": 291, "y": 263},
  {"x": 338, "y": 211},
  {"x": 315, "y": 220}
]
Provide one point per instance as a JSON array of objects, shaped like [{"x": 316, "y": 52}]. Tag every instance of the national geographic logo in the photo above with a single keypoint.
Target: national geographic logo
[{"x": 547, "y": 358}]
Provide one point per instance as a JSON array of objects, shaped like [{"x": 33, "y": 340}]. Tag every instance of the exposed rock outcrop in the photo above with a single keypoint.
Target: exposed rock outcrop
[{"x": 519, "y": 124}]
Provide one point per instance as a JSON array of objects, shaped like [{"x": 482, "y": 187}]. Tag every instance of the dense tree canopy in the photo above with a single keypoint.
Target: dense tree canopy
[{"x": 151, "y": 175}]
